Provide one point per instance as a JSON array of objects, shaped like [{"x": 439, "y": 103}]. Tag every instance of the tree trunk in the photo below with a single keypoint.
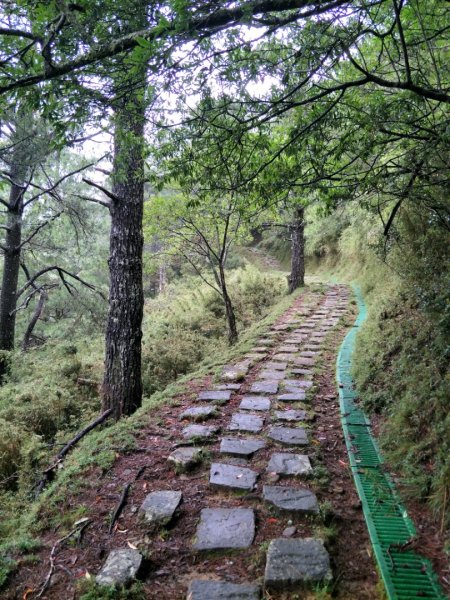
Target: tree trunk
[
  {"x": 122, "y": 386},
  {"x": 11, "y": 261},
  {"x": 34, "y": 319},
  {"x": 229, "y": 310},
  {"x": 297, "y": 277}
]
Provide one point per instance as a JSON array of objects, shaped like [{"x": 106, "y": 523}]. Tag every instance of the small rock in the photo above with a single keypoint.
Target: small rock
[
  {"x": 289, "y": 531},
  {"x": 120, "y": 567},
  {"x": 185, "y": 458},
  {"x": 217, "y": 396},
  {"x": 200, "y": 432},
  {"x": 199, "y": 413},
  {"x": 158, "y": 507}
]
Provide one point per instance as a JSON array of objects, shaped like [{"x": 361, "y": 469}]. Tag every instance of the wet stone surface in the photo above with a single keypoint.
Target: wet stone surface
[
  {"x": 292, "y": 499},
  {"x": 254, "y": 403},
  {"x": 289, "y": 464},
  {"x": 199, "y": 413},
  {"x": 200, "y": 432},
  {"x": 158, "y": 507},
  {"x": 222, "y": 528},
  {"x": 232, "y": 476},
  {"x": 296, "y": 562},
  {"x": 236, "y": 372},
  {"x": 271, "y": 374},
  {"x": 222, "y": 590},
  {"x": 291, "y": 436},
  {"x": 296, "y": 396},
  {"x": 305, "y": 372},
  {"x": 291, "y": 415},
  {"x": 276, "y": 365},
  {"x": 264, "y": 387},
  {"x": 298, "y": 383},
  {"x": 284, "y": 356},
  {"x": 244, "y": 422},
  {"x": 237, "y": 447},
  {"x": 228, "y": 386},
  {"x": 219, "y": 396},
  {"x": 120, "y": 567},
  {"x": 304, "y": 361},
  {"x": 186, "y": 458}
]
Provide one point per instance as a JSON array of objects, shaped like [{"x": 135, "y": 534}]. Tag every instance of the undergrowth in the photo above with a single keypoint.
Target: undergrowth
[{"x": 401, "y": 356}]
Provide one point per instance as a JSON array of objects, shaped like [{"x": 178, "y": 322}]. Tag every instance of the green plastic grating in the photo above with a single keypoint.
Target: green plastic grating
[{"x": 406, "y": 574}]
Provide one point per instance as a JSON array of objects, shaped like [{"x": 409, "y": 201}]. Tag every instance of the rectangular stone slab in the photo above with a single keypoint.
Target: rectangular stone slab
[
  {"x": 299, "y": 383},
  {"x": 297, "y": 396},
  {"x": 202, "y": 589},
  {"x": 254, "y": 403},
  {"x": 199, "y": 413},
  {"x": 244, "y": 422},
  {"x": 264, "y": 387},
  {"x": 291, "y": 415},
  {"x": 290, "y": 436},
  {"x": 158, "y": 507},
  {"x": 223, "y": 528},
  {"x": 299, "y": 500},
  {"x": 241, "y": 447},
  {"x": 271, "y": 374},
  {"x": 204, "y": 432},
  {"x": 284, "y": 356},
  {"x": 276, "y": 365},
  {"x": 219, "y": 396},
  {"x": 231, "y": 476},
  {"x": 304, "y": 361},
  {"x": 295, "y": 563},
  {"x": 120, "y": 567},
  {"x": 289, "y": 464}
]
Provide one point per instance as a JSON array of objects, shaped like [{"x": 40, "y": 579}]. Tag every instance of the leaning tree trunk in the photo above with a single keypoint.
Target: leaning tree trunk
[
  {"x": 229, "y": 310},
  {"x": 11, "y": 261},
  {"x": 122, "y": 387},
  {"x": 297, "y": 277}
]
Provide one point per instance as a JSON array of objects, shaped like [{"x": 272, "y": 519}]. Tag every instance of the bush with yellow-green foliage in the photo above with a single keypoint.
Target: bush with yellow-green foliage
[{"x": 401, "y": 360}]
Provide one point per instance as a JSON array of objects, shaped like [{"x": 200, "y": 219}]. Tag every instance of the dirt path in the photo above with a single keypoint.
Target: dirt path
[{"x": 271, "y": 483}]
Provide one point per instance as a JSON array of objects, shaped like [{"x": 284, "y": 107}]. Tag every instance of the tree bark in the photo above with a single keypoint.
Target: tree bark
[
  {"x": 122, "y": 387},
  {"x": 34, "y": 319},
  {"x": 297, "y": 277},
  {"x": 11, "y": 261},
  {"x": 229, "y": 310}
]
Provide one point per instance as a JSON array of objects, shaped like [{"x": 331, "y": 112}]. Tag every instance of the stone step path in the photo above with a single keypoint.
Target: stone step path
[{"x": 274, "y": 389}]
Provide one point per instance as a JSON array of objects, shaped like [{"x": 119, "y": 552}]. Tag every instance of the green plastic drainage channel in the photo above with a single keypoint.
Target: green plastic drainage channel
[{"x": 406, "y": 574}]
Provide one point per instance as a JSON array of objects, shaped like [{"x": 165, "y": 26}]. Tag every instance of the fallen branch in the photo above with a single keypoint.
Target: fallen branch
[
  {"x": 123, "y": 499},
  {"x": 122, "y": 502},
  {"x": 51, "y": 570},
  {"x": 48, "y": 474}
]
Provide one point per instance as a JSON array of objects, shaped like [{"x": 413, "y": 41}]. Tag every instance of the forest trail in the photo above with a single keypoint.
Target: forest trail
[{"x": 231, "y": 484}]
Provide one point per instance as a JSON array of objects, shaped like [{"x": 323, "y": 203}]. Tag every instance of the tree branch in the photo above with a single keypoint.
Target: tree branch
[{"x": 110, "y": 195}]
